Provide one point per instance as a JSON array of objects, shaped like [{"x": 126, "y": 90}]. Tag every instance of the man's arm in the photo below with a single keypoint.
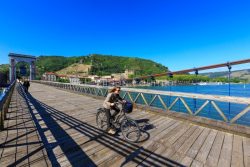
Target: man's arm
[{"x": 106, "y": 101}]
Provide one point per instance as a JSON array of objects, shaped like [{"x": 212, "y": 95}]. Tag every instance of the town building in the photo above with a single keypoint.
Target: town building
[
  {"x": 50, "y": 76},
  {"x": 75, "y": 80}
]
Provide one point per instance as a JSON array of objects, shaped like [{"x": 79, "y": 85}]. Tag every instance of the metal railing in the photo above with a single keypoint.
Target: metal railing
[
  {"x": 4, "y": 103},
  {"x": 232, "y": 110}
]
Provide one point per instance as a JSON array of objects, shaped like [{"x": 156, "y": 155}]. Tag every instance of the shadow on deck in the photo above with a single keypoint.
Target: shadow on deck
[{"x": 47, "y": 119}]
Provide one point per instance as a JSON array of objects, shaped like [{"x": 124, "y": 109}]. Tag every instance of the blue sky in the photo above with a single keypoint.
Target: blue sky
[{"x": 179, "y": 34}]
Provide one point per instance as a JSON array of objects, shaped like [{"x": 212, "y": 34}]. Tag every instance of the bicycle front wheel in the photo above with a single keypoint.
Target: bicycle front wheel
[{"x": 130, "y": 130}]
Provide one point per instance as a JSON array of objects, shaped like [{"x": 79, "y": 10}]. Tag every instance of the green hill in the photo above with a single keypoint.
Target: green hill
[
  {"x": 101, "y": 64},
  {"x": 4, "y": 68},
  {"x": 76, "y": 68},
  {"x": 241, "y": 74}
]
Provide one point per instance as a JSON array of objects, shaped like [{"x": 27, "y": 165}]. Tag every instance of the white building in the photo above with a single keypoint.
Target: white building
[
  {"x": 74, "y": 80},
  {"x": 50, "y": 76}
]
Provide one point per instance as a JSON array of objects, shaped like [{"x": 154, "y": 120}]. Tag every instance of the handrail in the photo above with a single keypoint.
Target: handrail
[
  {"x": 4, "y": 103},
  {"x": 193, "y": 104},
  {"x": 196, "y": 68},
  {"x": 222, "y": 98}
]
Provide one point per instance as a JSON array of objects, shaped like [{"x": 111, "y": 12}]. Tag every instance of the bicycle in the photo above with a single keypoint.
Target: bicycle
[{"x": 129, "y": 127}]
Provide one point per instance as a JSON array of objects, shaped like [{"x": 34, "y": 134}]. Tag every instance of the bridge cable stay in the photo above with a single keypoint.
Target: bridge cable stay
[
  {"x": 196, "y": 86},
  {"x": 196, "y": 79},
  {"x": 229, "y": 84},
  {"x": 170, "y": 75}
]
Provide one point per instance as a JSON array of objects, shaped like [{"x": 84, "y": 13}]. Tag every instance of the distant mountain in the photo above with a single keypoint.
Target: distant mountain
[{"x": 241, "y": 74}]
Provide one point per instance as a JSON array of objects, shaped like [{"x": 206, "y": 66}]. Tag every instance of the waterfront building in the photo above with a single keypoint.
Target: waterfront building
[{"x": 50, "y": 76}]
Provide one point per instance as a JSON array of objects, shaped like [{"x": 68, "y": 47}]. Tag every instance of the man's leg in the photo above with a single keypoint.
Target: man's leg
[
  {"x": 117, "y": 110},
  {"x": 110, "y": 129},
  {"x": 108, "y": 117}
]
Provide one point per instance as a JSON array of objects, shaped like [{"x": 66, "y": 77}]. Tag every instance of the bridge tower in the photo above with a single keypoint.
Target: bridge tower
[{"x": 16, "y": 58}]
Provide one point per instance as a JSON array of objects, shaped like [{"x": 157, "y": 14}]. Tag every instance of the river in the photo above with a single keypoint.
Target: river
[
  {"x": 239, "y": 90},
  {"x": 229, "y": 109},
  {"x": 1, "y": 93}
]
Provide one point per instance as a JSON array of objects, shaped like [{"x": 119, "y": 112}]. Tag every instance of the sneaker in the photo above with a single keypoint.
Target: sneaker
[{"x": 111, "y": 131}]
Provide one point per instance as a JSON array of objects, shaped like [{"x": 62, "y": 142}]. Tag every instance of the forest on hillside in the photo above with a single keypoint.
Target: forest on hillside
[{"x": 101, "y": 64}]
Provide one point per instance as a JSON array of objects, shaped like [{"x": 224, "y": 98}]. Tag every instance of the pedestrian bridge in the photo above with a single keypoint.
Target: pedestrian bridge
[{"x": 51, "y": 126}]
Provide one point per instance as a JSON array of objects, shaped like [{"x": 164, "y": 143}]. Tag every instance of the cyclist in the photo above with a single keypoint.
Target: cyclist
[{"x": 109, "y": 103}]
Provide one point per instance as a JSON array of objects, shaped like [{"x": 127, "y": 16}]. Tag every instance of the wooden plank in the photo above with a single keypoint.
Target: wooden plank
[
  {"x": 170, "y": 151},
  {"x": 25, "y": 135},
  {"x": 214, "y": 154},
  {"x": 155, "y": 157},
  {"x": 192, "y": 152},
  {"x": 142, "y": 152},
  {"x": 187, "y": 161},
  {"x": 246, "y": 149},
  {"x": 175, "y": 134},
  {"x": 206, "y": 147},
  {"x": 237, "y": 153},
  {"x": 226, "y": 152},
  {"x": 165, "y": 160},
  {"x": 187, "y": 144},
  {"x": 125, "y": 144},
  {"x": 40, "y": 157},
  {"x": 196, "y": 164}
]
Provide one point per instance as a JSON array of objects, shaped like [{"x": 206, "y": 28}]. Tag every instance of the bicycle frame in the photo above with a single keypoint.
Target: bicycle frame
[{"x": 122, "y": 115}]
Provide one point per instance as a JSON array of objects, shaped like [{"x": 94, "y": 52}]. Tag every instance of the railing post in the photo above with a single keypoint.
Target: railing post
[{"x": 1, "y": 120}]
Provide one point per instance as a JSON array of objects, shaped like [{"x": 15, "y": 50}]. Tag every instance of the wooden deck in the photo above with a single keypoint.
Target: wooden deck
[{"x": 51, "y": 127}]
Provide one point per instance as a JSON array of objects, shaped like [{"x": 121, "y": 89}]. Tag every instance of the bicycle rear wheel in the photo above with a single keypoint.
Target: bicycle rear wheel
[
  {"x": 102, "y": 120},
  {"x": 130, "y": 130}
]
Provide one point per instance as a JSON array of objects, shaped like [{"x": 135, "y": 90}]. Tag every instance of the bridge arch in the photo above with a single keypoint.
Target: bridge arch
[{"x": 16, "y": 58}]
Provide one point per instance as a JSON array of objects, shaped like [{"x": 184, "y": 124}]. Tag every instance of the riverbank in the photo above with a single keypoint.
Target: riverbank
[
  {"x": 182, "y": 84},
  {"x": 240, "y": 90}
]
